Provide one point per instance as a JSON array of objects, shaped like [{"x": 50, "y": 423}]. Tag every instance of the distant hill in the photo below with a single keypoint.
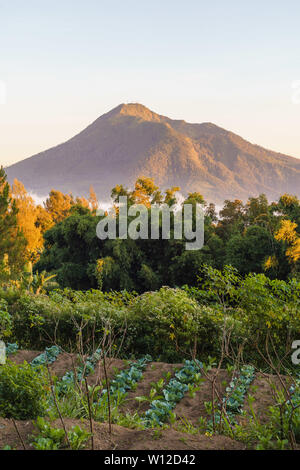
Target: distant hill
[{"x": 131, "y": 141}]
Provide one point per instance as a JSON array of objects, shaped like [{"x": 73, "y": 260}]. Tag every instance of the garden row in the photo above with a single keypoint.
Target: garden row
[{"x": 164, "y": 395}]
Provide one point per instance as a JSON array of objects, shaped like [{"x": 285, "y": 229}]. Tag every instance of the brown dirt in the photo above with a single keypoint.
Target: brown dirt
[
  {"x": 121, "y": 438},
  {"x": 153, "y": 372},
  {"x": 23, "y": 355},
  {"x": 191, "y": 408},
  {"x": 263, "y": 389},
  {"x": 113, "y": 366},
  {"x": 63, "y": 364}
]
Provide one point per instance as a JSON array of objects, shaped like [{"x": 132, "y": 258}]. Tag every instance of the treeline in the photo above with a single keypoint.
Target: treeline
[{"x": 60, "y": 237}]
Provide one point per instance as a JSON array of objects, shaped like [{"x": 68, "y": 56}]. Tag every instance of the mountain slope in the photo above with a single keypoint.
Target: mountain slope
[{"x": 130, "y": 141}]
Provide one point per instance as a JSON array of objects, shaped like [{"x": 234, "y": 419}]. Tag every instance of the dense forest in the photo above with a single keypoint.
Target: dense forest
[{"x": 60, "y": 238}]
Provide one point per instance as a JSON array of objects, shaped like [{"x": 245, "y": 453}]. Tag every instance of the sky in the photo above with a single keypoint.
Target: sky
[{"x": 64, "y": 63}]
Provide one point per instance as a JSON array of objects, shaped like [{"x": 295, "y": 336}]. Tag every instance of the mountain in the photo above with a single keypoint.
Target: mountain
[{"x": 131, "y": 141}]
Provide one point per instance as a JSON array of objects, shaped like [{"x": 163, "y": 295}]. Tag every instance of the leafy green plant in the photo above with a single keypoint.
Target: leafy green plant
[
  {"x": 47, "y": 357},
  {"x": 23, "y": 391},
  {"x": 11, "y": 348},
  {"x": 127, "y": 378},
  {"x": 237, "y": 389},
  {"x": 233, "y": 401},
  {"x": 161, "y": 410},
  {"x": 83, "y": 370},
  {"x": 78, "y": 437},
  {"x": 156, "y": 388},
  {"x": 6, "y": 323},
  {"x": 52, "y": 438},
  {"x": 119, "y": 386},
  {"x": 184, "y": 425}
]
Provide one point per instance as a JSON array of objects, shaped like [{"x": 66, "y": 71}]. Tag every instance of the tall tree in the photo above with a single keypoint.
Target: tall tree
[
  {"x": 26, "y": 218},
  {"x": 59, "y": 205},
  {"x": 93, "y": 201},
  {"x": 12, "y": 241}
]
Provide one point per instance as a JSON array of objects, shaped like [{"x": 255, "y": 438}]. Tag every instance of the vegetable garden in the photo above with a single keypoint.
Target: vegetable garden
[
  {"x": 189, "y": 368},
  {"x": 65, "y": 411}
]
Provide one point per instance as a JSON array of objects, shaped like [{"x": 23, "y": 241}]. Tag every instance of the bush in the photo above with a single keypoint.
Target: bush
[
  {"x": 22, "y": 391},
  {"x": 69, "y": 314},
  {"x": 167, "y": 324},
  {"x": 5, "y": 320},
  {"x": 170, "y": 324}
]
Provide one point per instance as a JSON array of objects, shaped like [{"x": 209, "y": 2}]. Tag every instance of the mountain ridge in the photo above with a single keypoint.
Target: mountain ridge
[{"x": 131, "y": 140}]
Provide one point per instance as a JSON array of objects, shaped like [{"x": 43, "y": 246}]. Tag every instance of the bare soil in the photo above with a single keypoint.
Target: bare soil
[
  {"x": 192, "y": 408},
  {"x": 23, "y": 355},
  {"x": 152, "y": 374},
  {"x": 120, "y": 439},
  {"x": 263, "y": 389}
]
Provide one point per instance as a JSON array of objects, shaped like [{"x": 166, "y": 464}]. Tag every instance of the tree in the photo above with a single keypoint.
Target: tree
[
  {"x": 44, "y": 220},
  {"x": 71, "y": 250},
  {"x": 170, "y": 197},
  {"x": 288, "y": 233},
  {"x": 93, "y": 201},
  {"x": 232, "y": 219},
  {"x": 257, "y": 210},
  {"x": 195, "y": 198},
  {"x": 289, "y": 206},
  {"x": 12, "y": 241},
  {"x": 58, "y": 205},
  {"x": 27, "y": 220},
  {"x": 144, "y": 191},
  {"x": 248, "y": 252}
]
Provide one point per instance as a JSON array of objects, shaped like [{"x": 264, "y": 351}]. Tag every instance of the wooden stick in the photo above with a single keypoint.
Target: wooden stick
[
  {"x": 90, "y": 412},
  {"x": 57, "y": 407},
  {"x": 108, "y": 394},
  {"x": 19, "y": 435}
]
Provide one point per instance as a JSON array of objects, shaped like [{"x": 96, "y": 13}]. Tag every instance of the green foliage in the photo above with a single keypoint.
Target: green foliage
[
  {"x": 12, "y": 241},
  {"x": 166, "y": 317},
  {"x": 190, "y": 321},
  {"x": 5, "y": 320},
  {"x": 11, "y": 348},
  {"x": 68, "y": 381},
  {"x": 235, "y": 393},
  {"x": 23, "y": 391},
  {"x": 73, "y": 403},
  {"x": 160, "y": 410},
  {"x": 247, "y": 252},
  {"x": 52, "y": 438},
  {"x": 243, "y": 236},
  {"x": 126, "y": 379},
  {"x": 69, "y": 313},
  {"x": 48, "y": 357},
  {"x": 78, "y": 438},
  {"x": 281, "y": 426}
]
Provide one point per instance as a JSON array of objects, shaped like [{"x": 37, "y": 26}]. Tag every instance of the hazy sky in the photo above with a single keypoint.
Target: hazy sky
[{"x": 64, "y": 63}]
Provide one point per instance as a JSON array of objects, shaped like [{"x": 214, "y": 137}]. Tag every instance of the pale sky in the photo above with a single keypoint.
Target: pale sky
[{"x": 64, "y": 63}]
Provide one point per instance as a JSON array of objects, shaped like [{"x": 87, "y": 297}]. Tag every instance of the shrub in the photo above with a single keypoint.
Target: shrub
[
  {"x": 22, "y": 391},
  {"x": 69, "y": 314},
  {"x": 51, "y": 438},
  {"x": 5, "y": 320},
  {"x": 165, "y": 324}
]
